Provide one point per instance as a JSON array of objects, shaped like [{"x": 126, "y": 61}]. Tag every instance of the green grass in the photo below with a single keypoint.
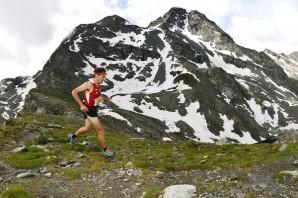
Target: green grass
[
  {"x": 251, "y": 195},
  {"x": 8, "y": 134},
  {"x": 30, "y": 158},
  {"x": 15, "y": 191},
  {"x": 210, "y": 187},
  {"x": 152, "y": 192},
  {"x": 147, "y": 154},
  {"x": 72, "y": 173}
]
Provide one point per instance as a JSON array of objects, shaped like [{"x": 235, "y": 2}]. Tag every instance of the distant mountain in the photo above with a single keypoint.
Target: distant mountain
[
  {"x": 294, "y": 55},
  {"x": 13, "y": 92},
  {"x": 288, "y": 63},
  {"x": 180, "y": 77}
]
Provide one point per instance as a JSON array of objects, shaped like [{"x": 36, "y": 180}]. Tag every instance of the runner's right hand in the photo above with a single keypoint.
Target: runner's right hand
[{"x": 84, "y": 108}]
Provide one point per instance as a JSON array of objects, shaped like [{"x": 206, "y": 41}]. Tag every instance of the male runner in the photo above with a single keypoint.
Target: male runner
[{"x": 92, "y": 96}]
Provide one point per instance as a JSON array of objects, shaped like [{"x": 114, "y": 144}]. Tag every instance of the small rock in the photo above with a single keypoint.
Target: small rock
[
  {"x": 82, "y": 155},
  {"x": 44, "y": 148},
  {"x": 50, "y": 157},
  {"x": 292, "y": 173},
  {"x": 48, "y": 174},
  {"x": 125, "y": 180},
  {"x": 129, "y": 164},
  {"x": 222, "y": 141},
  {"x": 178, "y": 191},
  {"x": 86, "y": 143},
  {"x": 283, "y": 147},
  {"x": 295, "y": 163},
  {"x": 57, "y": 126},
  {"x": 77, "y": 164},
  {"x": 25, "y": 175},
  {"x": 50, "y": 139},
  {"x": 203, "y": 161},
  {"x": 44, "y": 170},
  {"x": 19, "y": 149},
  {"x": 220, "y": 154},
  {"x": 234, "y": 178},
  {"x": 138, "y": 184},
  {"x": 66, "y": 163},
  {"x": 150, "y": 158},
  {"x": 159, "y": 174}
]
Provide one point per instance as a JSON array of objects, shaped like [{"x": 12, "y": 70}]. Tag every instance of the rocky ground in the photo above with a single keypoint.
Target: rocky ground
[
  {"x": 81, "y": 171},
  {"x": 261, "y": 180}
]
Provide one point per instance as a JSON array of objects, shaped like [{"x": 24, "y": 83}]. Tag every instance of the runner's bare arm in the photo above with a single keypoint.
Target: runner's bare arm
[{"x": 75, "y": 92}]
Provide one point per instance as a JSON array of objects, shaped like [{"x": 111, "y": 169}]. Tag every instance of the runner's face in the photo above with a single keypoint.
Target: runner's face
[{"x": 101, "y": 77}]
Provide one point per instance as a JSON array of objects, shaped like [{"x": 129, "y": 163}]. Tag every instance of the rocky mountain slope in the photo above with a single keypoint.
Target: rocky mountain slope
[
  {"x": 288, "y": 63},
  {"x": 180, "y": 77}
]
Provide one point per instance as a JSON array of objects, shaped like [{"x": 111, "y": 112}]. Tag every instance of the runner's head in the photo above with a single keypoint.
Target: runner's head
[{"x": 100, "y": 74}]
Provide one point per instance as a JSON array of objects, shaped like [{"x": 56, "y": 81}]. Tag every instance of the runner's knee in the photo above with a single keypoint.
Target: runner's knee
[{"x": 100, "y": 130}]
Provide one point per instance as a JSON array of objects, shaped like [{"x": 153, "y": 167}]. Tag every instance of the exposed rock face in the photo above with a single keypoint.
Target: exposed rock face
[{"x": 181, "y": 77}]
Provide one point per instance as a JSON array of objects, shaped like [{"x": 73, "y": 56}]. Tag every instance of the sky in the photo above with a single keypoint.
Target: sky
[{"x": 31, "y": 30}]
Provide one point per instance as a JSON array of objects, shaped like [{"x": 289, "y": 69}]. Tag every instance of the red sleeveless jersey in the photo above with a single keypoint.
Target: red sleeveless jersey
[{"x": 89, "y": 97}]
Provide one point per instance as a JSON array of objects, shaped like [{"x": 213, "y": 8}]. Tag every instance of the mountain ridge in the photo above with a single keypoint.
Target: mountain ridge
[{"x": 180, "y": 77}]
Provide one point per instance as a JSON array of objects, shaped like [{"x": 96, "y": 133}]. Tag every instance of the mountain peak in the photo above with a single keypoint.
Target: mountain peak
[
  {"x": 175, "y": 16},
  {"x": 174, "y": 11},
  {"x": 199, "y": 24},
  {"x": 113, "y": 19}
]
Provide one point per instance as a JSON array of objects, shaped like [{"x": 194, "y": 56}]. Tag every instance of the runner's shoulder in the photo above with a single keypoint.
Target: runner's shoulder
[{"x": 88, "y": 83}]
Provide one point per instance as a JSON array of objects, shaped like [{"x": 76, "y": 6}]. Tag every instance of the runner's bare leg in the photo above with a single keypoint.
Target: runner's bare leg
[
  {"x": 99, "y": 129},
  {"x": 84, "y": 129}
]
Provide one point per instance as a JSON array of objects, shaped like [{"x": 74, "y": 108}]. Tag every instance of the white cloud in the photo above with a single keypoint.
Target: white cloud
[
  {"x": 31, "y": 30},
  {"x": 275, "y": 29},
  {"x": 144, "y": 12}
]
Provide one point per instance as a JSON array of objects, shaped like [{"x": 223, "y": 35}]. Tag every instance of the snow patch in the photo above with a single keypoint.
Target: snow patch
[
  {"x": 76, "y": 48},
  {"x": 114, "y": 115},
  {"x": 281, "y": 88},
  {"x": 3, "y": 102},
  {"x": 88, "y": 69},
  {"x": 139, "y": 129},
  {"x": 291, "y": 125},
  {"x": 181, "y": 97},
  {"x": 5, "y": 115},
  {"x": 166, "y": 139},
  {"x": 229, "y": 127},
  {"x": 261, "y": 117},
  {"x": 130, "y": 38},
  {"x": 24, "y": 91}
]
